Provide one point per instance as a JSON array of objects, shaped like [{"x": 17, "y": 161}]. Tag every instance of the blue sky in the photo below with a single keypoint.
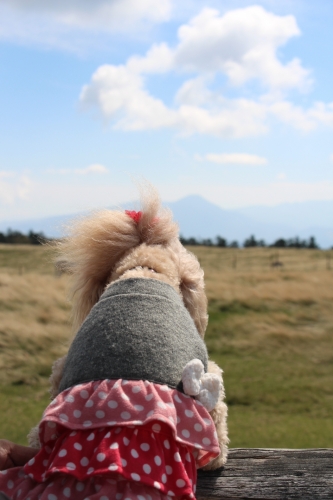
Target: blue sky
[{"x": 230, "y": 100}]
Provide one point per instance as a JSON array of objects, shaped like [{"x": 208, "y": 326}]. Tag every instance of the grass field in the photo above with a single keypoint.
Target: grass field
[{"x": 270, "y": 329}]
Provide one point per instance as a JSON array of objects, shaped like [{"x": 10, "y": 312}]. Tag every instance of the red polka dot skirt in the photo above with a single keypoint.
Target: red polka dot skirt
[{"x": 120, "y": 440}]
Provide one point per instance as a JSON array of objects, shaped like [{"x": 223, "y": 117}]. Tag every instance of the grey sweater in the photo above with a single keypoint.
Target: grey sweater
[{"x": 138, "y": 330}]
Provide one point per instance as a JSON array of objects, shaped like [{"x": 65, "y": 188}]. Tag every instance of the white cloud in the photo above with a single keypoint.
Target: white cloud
[
  {"x": 233, "y": 158},
  {"x": 109, "y": 15},
  {"x": 14, "y": 188},
  {"x": 95, "y": 168},
  {"x": 243, "y": 45}
]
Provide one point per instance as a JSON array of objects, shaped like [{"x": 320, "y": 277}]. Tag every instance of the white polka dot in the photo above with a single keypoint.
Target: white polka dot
[
  {"x": 123, "y": 462},
  {"x": 45, "y": 462},
  {"x": 171, "y": 419},
  {"x": 77, "y": 413},
  {"x": 124, "y": 382},
  {"x": 177, "y": 398},
  {"x": 117, "y": 430},
  {"x": 177, "y": 457},
  {"x": 157, "y": 460},
  {"x": 101, "y": 456},
  {"x": 161, "y": 404},
  {"x": 140, "y": 497},
  {"x": 52, "y": 497},
  {"x": 114, "y": 446},
  {"x": 10, "y": 484},
  {"x": 100, "y": 414},
  {"x": 51, "y": 424},
  {"x": 91, "y": 437},
  {"x": 186, "y": 433},
  {"x": 124, "y": 396},
  {"x": 79, "y": 487},
  {"x": 178, "y": 420},
  {"x": 157, "y": 485},
  {"x": 147, "y": 468},
  {"x": 71, "y": 466},
  {"x": 206, "y": 441},
  {"x": 198, "y": 427},
  {"x": 112, "y": 404},
  {"x": 113, "y": 467},
  {"x": 84, "y": 394},
  {"x": 138, "y": 407},
  {"x": 164, "y": 388},
  {"x": 62, "y": 453},
  {"x": 73, "y": 433},
  {"x": 67, "y": 492},
  {"x": 84, "y": 461},
  {"x": 156, "y": 427},
  {"x": 48, "y": 449},
  {"x": 78, "y": 446},
  {"x": 164, "y": 478},
  {"x": 89, "y": 403},
  {"x": 135, "y": 476},
  {"x": 145, "y": 447},
  {"x": 119, "y": 496},
  {"x": 168, "y": 469},
  {"x": 189, "y": 413},
  {"x": 150, "y": 413},
  {"x": 91, "y": 470},
  {"x": 102, "y": 395},
  {"x": 134, "y": 454},
  {"x": 166, "y": 444},
  {"x": 69, "y": 398},
  {"x": 87, "y": 423},
  {"x": 207, "y": 421},
  {"x": 188, "y": 458},
  {"x": 63, "y": 417},
  {"x": 125, "y": 415},
  {"x": 31, "y": 461},
  {"x": 171, "y": 493},
  {"x": 180, "y": 483},
  {"x": 149, "y": 397},
  {"x": 103, "y": 497},
  {"x": 126, "y": 441}
]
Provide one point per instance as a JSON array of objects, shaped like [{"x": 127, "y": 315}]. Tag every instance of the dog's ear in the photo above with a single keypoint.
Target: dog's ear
[{"x": 192, "y": 287}]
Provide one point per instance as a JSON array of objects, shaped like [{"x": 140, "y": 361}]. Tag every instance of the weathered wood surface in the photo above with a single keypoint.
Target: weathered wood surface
[{"x": 270, "y": 474}]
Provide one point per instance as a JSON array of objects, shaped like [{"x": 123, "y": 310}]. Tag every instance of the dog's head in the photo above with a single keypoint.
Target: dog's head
[{"x": 113, "y": 244}]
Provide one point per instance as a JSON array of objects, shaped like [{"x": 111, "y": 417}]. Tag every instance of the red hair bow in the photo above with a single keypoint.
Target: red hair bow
[{"x": 136, "y": 216}]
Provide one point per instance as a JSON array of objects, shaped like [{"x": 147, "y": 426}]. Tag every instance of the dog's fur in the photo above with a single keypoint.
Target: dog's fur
[{"x": 108, "y": 246}]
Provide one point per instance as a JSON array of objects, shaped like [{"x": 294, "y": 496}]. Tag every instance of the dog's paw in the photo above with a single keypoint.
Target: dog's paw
[
  {"x": 210, "y": 390},
  {"x": 191, "y": 378}
]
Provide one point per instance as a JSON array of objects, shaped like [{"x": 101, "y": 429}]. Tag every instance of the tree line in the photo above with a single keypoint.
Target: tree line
[
  {"x": 16, "y": 237},
  {"x": 33, "y": 238},
  {"x": 252, "y": 242}
]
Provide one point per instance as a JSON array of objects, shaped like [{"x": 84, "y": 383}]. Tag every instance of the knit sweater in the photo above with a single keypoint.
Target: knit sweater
[{"x": 138, "y": 330}]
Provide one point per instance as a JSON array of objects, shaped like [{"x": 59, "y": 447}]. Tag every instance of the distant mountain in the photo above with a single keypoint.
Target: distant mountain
[{"x": 202, "y": 219}]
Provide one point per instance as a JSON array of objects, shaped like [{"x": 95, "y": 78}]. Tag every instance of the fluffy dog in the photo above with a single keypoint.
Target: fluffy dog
[{"x": 133, "y": 259}]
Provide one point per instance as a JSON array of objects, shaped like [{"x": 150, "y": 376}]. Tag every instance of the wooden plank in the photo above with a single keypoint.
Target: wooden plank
[{"x": 270, "y": 474}]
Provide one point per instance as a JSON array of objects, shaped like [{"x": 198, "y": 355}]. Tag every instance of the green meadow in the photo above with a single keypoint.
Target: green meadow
[{"x": 270, "y": 329}]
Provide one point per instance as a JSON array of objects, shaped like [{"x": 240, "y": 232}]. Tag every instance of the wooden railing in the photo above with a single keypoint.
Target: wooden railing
[{"x": 270, "y": 474}]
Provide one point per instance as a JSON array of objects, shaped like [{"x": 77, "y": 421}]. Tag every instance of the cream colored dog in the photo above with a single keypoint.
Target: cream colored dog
[{"x": 115, "y": 245}]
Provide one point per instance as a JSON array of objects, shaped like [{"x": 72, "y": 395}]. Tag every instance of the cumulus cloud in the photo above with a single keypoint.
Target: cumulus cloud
[
  {"x": 233, "y": 159},
  {"x": 241, "y": 45}
]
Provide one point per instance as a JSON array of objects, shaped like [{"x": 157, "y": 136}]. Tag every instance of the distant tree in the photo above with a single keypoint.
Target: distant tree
[
  {"x": 221, "y": 242},
  {"x": 234, "y": 244},
  {"x": 312, "y": 242},
  {"x": 16, "y": 237},
  {"x": 280, "y": 243},
  {"x": 189, "y": 241},
  {"x": 207, "y": 242},
  {"x": 250, "y": 242}
]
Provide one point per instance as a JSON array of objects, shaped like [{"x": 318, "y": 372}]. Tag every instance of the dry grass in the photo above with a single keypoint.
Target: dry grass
[{"x": 270, "y": 329}]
